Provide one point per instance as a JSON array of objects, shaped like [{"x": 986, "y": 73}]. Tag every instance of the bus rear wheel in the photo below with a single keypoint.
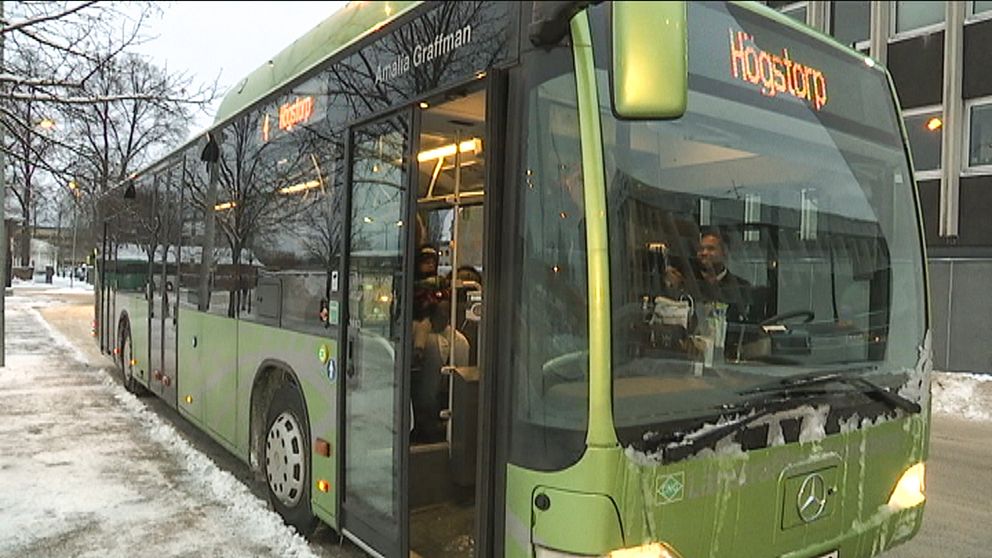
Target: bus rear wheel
[
  {"x": 286, "y": 456},
  {"x": 131, "y": 383}
]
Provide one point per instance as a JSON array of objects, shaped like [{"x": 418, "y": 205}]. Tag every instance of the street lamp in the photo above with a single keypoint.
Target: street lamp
[{"x": 46, "y": 123}]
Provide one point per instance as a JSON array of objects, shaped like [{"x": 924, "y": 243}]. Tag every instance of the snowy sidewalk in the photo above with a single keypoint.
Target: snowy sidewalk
[{"x": 87, "y": 471}]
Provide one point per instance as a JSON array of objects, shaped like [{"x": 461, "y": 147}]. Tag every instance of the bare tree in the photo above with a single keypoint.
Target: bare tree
[
  {"x": 111, "y": 139},
  {"x": 53, "y": 49},
  {"x": 29, "y": 150},
  {"x": 68, "y": 64}
]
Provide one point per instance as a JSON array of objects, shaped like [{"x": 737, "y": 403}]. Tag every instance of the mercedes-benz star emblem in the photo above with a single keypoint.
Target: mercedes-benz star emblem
[{"x": 812, "y": 498}]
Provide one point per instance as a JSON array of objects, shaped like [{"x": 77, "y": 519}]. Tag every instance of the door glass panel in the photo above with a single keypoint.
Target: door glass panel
[
  {"x": 376, "y": 324},
  {"x": 445, "y": 372}
]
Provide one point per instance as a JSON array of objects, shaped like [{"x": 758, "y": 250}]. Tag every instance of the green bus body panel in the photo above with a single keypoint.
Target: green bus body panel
[
  {"x": 332, "y": 35},
  {"x": 220, "y": 372},
  {"x": 208, "y": 375},
  {"x": 561, "y": 528},
  {"x": 300, "y": 353},
  {"x": 136, "y": 307},
  {"x": 730, "y": 504},
  {"x": 601, "y": 432}
]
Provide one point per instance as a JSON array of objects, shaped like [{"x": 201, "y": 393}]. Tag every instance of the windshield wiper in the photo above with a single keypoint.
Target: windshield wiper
[
  {"x": 679, "y": 445},
  {"x": 873, "y": 390},
  {"x": 778, "y": 396}
]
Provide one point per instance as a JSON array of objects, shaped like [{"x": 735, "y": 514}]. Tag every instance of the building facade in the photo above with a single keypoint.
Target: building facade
[{"x": 940, "y": 57}]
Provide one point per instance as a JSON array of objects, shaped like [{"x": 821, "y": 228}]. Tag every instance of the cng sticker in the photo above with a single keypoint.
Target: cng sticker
[
  {"x": 670, "y": 488},
  {"x": 323, "y": 353}
]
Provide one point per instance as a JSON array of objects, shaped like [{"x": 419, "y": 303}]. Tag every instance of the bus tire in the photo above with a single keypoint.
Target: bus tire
[
  {"x": 286, "y": 459},
  {"x": 131, "y": 384}
]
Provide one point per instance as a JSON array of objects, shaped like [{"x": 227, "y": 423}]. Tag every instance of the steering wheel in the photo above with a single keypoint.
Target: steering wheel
[{"x": 777, "y": 318}]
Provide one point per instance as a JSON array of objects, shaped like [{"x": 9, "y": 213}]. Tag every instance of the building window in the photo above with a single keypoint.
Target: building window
[
  {"x": 980, "y": 135},
  {"x": 924, "y": 128},
  {"x": 851, "y": 23},
  {"x": 795, "y": 10},
  {"x": 911, "y": 16},
  {"x": 981, "y": 7}
]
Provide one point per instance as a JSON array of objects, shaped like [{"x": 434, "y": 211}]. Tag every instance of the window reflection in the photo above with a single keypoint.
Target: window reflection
[
  {"x": 550, "y": 339},
  {"x": 277, "y": 237}
]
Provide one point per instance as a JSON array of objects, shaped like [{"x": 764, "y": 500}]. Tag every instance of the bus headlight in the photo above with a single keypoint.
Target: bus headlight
[
  {"x": 541, "y": 552},
  {"x": 650, "y": 550},
  {"x": 911, "y": 489}
]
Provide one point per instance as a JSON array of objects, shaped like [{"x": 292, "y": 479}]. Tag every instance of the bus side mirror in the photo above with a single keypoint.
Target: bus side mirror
[{"x": 649, "y": 62}]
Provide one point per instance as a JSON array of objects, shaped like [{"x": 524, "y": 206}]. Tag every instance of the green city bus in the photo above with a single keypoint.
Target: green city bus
[{"x": 547, "y": 279}]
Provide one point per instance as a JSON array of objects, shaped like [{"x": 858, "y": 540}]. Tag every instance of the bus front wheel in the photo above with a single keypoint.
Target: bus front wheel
[{"x": 287, "y": 459}]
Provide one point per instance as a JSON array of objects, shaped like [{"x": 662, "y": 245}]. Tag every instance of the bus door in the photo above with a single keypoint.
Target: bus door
[
  {"x": 449, "y": 270},
  {"x": 163, "y": 288},
  {"x": 154, "y": 290},
  {"x": 376, "y": 411},
  {"x": 172, "y": 230}
]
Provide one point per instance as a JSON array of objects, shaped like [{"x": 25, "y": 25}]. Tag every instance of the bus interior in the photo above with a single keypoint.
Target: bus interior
[{"x": 446, "y": 324}]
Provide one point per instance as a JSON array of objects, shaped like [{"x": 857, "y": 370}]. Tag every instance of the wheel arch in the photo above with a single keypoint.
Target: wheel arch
[
  {"x": 123, "y": 320},
  {"x": 269, "y": 376}
]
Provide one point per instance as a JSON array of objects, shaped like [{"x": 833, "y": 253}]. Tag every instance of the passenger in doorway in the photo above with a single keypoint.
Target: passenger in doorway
[
  {"x": 426, "y": 278},
  {"x": 469, "y": 279},
  {"x": 469, "y": 273},
  {"x": 427, "y": 261},
  {"x": 429, "y": 387},
  {"x": 445, "y": 335},
  {"x": 428, "y": 289},
  {"x": 716, "y": 282}
]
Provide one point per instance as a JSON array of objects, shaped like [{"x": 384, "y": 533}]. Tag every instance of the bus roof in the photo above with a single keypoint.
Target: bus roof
[{"x": 329, "y": 37}]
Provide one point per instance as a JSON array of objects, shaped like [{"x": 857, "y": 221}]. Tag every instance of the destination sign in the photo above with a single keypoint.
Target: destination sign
[{"x": 776, "y": 73}]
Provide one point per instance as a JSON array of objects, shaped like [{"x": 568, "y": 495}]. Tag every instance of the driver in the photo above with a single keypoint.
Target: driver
[{"x": 716, "y": 282}]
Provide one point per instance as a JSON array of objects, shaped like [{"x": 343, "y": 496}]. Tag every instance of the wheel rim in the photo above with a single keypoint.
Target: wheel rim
[{"x": 284, "y": 465}]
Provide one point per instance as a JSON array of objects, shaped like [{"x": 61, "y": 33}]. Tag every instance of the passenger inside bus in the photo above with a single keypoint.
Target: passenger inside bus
[
  {"x": 424, "y": 384},
  {"x": 468, "y": 297},
  {"x": 697, "y": 301},
  {"x": 717, "y": 283}
]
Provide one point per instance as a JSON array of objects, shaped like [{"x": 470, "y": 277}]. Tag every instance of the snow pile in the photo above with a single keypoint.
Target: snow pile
[
  {"x": 963, "y": 395},
  {"x": 247, "y": 514}
]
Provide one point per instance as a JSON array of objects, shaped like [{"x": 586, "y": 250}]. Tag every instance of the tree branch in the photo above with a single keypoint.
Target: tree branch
[{"x": 41, "y": 19}]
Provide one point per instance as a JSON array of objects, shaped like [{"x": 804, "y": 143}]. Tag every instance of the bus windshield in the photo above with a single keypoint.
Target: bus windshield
[{"x": 770, "y": 232}]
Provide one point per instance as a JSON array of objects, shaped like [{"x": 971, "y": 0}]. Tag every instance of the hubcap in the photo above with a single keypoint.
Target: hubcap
[
  {"x": 284, "y": 459},
  {"x": 126, "y": 358}
]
